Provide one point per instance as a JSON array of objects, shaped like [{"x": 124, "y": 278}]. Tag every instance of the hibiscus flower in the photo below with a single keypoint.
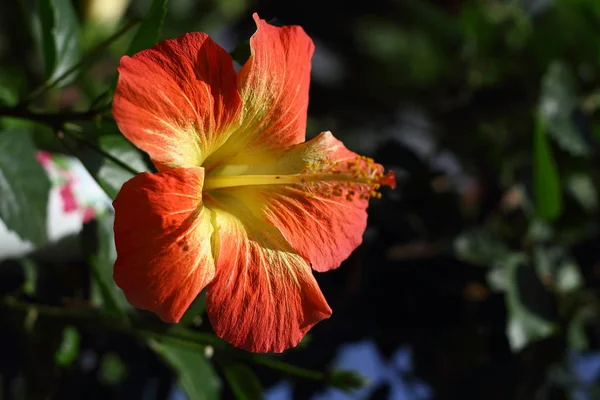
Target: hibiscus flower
[{"x": 241, "y": 203}]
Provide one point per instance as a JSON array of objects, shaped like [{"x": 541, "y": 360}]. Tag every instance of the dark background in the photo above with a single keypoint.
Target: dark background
[{"x": 483, "y": 262}]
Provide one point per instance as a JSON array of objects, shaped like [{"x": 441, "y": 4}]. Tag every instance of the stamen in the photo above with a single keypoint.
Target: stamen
[{"x": 358, "y": 178}]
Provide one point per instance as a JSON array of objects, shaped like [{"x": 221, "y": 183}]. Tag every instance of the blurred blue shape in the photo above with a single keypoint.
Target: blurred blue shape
[
  {"x": 282, "y": 390},
  {"x": 364, "y": 357},
  {"x": 177, "y": 394},
  {"x": 585, "y": 367},
  {"x": 402, "y": 359},
  {"x": 404, "y": 385}
]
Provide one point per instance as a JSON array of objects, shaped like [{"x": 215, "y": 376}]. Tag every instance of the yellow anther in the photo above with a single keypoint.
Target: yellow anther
[{"x": 360, "y": 177}]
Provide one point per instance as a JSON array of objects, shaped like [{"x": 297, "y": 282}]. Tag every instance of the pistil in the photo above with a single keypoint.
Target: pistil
[{"x": 360, "y": 177}]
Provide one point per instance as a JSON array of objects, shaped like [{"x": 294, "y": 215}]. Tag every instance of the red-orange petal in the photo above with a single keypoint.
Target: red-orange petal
[
  {"x": 321, "y": 227},
  {"x": 264, "y": 297},
  {"x": 162, "y": 235},
  {"x": 274, "y": 85},
  {"x": 178, "y": 101}
]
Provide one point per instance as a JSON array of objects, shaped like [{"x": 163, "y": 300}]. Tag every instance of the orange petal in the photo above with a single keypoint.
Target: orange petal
[
  {"x": 274, "y": 86},
  {"x": 323, "y": 230},
  {"x": 322, "y": 227},
  {"x": 162, "y": 235},
  {"x": 178, "y": 100},
  {"x": 264, "y": 297}
]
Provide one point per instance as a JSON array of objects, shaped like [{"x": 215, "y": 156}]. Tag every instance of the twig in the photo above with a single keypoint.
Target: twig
[
  {"x": 182, "y": 336},
  {"x": 58, "y": 122},
  {"x": 86, "y": 59},
  {"x": 99, "y": 150},
  {"x": 54, "y": 120}
]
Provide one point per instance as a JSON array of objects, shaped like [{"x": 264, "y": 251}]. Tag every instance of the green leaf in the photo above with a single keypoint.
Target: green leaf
[
  {"x": 432, "y": 16},
  {"x": 110, "y": 175},
  {"x": 539, "y": 231},
  {"x": 195, "y": 310},
  {"x": 244, "y": 383},
  {"x": 59, "y": 37},
  {"x": 196, "y": 375},
  {"x": 12, "y": 81},
  {"x": 554, "y": 265},
  {"x": 568, "y": 277},
  {"x": 546, "y": 182},
  {"x": 30, "y": 273},
  {"x": 583, "y": 190},
  {"x": 558, "y": 100},
  {"x": 530, "y": 307},
  {"x": 479, "y": 247},
  {"x": 112, "y": 370},
  {"x": 24, "y": 187},
  {"x": 150, "y": 28},
  {"x": 576, "y": 331},
  {"x": 69, "y": 347},
  {"x": 99, "y": 251},
  {"x": 496, "y": 279},
  {"x": 347, "y": 380}
]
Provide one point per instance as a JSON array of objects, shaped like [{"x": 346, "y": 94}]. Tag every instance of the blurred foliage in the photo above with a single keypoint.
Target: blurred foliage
[{"x": 485, "y": 260}]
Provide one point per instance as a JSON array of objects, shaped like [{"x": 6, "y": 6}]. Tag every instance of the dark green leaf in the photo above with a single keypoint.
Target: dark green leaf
[
  {"x": 110, "y": 175},
  {"x": 582, "y": 188},
  {"x": 12, "y": 80},
  {"x": 30, "y": 273},
  {"x": 69, "y": 347},
  {"x": 46, "y": 24},
  {"x": 576, "y": 331},
  {"x": 479, "y": 247},
  {"x": 558, "y": 100},
  {"x": 244, "y": 383},
  {"x": 347, "y": 380},
  {"x": 568, "y": 277},
  {"x": 59, "y": 37},
  {"x": 553, "y": 264},
  {"x": 178, "y": 332},
  {"x": 496, "y": 279},
  {"x": 24, "y": 187},
  {"x": 428, "y": 14},
  {"x": 540, "y": 231},
  {"x": 112, "y": 369},
  {"x": 99, "y": 250},
  {"x": 195, "y": 310},
  {"x": 150, "y": 28},
  {"x": 530, "y": 306},
  {"x": 546, "y": 182},
  {"x": 196, "y": 374}
]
